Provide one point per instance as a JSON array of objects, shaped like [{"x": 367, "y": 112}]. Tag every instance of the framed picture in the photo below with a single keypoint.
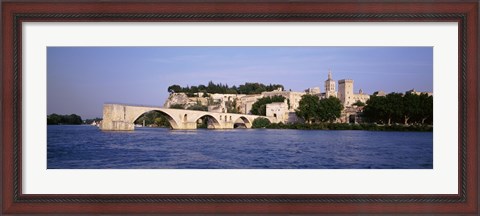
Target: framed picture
[{"x": 250, "y": 107}]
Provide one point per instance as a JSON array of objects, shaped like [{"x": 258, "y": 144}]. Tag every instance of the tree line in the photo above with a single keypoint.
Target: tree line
[
  {"x": 265, "y": 123},
  {"x": 212, "y": 88},
  {"x": 56, "y": 119},
  {"x": 399, "y": 108}
]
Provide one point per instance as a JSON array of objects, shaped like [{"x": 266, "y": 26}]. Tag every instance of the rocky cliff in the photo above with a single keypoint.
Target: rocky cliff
[
  {"x": 176, "y": 98},
  {"x": 184, "y": 100}
]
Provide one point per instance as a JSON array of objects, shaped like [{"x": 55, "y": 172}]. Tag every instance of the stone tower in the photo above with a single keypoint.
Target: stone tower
[
  {"x": 345, "y": 92},
  {"x": 330, "y": 86}
]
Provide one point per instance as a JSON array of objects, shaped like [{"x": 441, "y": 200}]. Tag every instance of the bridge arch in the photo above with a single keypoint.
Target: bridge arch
[
  {"x": 244, "y": 120},
  {"x": 171, "y": 120},
  {"x": 215, "y": 121}
]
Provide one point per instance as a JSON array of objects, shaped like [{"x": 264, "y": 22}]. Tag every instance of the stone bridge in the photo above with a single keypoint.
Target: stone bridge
[{"x": 122, "y": 117}]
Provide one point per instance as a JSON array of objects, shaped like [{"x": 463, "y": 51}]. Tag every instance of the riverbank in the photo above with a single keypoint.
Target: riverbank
[{"x": 347, "y": 126}]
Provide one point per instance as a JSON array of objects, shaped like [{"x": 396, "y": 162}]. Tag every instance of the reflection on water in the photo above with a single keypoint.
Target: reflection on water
[{"x": 80, "y": 147}]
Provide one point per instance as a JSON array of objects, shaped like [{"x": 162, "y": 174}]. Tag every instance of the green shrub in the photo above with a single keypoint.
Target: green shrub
[{"x": 260, "y": 123}]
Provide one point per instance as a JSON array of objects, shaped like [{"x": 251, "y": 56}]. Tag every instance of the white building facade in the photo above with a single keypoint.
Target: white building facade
[{"x": 278, "y": 110}]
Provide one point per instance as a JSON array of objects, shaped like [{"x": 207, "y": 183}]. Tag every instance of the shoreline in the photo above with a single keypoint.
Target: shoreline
[
  {"x": 348, "y": 126},
  {"x": 322, "y": 126}
]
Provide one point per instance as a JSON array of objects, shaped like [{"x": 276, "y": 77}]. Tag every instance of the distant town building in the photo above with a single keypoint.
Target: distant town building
[
  {"x": 413, "y": 91},
  {"x": 278, "y": 110},
  {"x": 379, "y": 93},
  {"x": 314, "y": 90},
  {"x": 225, "y": 97},
  {"x": 293, "y": 98},
  {"x": 245, "y": 103}
]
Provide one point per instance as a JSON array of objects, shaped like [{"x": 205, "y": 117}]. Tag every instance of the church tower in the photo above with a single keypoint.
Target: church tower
[{"x": 330, "y": 86}]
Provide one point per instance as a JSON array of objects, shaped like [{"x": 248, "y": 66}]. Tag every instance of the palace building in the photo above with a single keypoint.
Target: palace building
[
  {"x": 345, "y": 91},
  {"x": 281, "y": 111}
]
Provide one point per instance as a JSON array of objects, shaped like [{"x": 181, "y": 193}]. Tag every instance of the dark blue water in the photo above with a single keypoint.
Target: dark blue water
[{"x": 78, "y": 147}]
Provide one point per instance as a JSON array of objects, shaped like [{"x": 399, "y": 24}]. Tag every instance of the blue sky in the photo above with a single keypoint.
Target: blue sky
[{"x": 81, "y": 79}]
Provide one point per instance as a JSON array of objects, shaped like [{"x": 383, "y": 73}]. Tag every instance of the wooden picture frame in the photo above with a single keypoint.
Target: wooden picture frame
[{"x": 14, "y": 13}]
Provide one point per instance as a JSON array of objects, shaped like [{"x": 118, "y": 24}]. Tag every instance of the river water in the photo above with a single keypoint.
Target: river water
[{"x": 83, "y": 146}]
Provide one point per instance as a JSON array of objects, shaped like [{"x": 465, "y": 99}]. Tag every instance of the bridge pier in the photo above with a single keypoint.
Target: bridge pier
[
  {"x": 114, "y": 118},
  {"x": 188, "y": 126},
  {"x": 117, "y": 126}
]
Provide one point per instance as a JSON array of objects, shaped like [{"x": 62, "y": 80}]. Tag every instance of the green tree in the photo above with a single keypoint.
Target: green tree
[
  {"x": 308, "y": 108},
  {"x": 329, "y": 109},
  {"x": 311, "y": 109},
  {"x": 375, "y": 110},
  {"x": 358, "y": 103},
  {"x": 161, "y": 121},
  {"x": 426, "y": 108},
  {"x": 54, "y": 119},
  {"x": 232, "y": 106},
  {"x": 411, "y": 107},
  {"x": 72, "y": 119},
  {"x": 174, "y": 88},
  {"x": 394, "y": 107},
  {"x": 260, "y": 123},
  {"x": 260, "y": 106}
]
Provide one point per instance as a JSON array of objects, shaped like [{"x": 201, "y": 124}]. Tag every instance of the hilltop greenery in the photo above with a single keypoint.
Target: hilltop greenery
[{"x": 212, "y": 88}]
